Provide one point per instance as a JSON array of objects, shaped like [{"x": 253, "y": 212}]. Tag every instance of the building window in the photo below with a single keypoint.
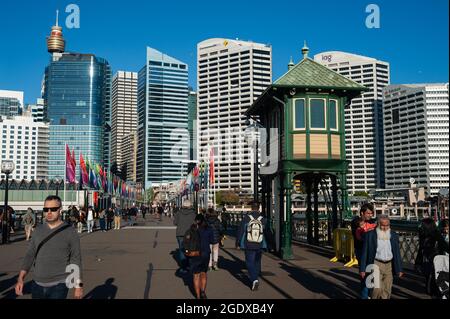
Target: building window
[
  {"x": 299, "y": 114},
  {"x": 317, "y": 114},
  {"x": 396, "y": 116},
  {"x": 334, "y": 115}
]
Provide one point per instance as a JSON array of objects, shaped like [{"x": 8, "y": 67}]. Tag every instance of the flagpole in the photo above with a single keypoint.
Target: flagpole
[{"x": 65, "y": 174}]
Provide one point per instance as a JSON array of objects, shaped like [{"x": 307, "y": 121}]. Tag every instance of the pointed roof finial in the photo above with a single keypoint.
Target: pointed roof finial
[
  {"x": 305, "y": 51},
  {"x": 57, "y": 16},
  {"x": 291, "y": 64}
]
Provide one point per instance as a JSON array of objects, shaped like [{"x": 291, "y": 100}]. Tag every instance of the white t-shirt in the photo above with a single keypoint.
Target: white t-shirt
[{"x": 90, "y": 215}]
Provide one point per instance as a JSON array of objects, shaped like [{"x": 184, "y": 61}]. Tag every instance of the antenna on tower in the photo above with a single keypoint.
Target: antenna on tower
[{"x": 57, "y": 16}]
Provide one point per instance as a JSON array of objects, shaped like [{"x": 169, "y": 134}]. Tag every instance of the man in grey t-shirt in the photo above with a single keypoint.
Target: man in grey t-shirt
[{"x": 51, "y": 261}]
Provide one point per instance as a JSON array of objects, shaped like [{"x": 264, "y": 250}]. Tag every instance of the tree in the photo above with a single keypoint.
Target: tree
[
  {"x": 361, "y": 194},
  {"x": 149, "y": 195},
  {"x": 114, "y": 168},
  {"x": 227, "y": 197},
  {"x": 123, "y": 171}
]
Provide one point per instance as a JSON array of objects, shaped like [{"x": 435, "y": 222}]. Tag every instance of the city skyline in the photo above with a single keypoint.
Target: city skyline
[{"x": 122, "y": 44}]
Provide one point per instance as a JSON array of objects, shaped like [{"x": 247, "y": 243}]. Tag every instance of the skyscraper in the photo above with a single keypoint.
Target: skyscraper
[
  {"x": 124, "y": 113},
  {"x": 363, "y": 117},
  {"x": 416, "y": 124},
  {"x": 77, "y": 98},
  {"x": 11, "y": 103},
  {"x": 231, "y": 75},
  {"x": 192, "y": 125},
  {"x": 162, "y": 119},
  {"x": 129, "y": 154}
]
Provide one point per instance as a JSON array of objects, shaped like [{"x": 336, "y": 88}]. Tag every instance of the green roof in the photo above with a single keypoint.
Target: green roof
[{"x": 310, "y": 74}]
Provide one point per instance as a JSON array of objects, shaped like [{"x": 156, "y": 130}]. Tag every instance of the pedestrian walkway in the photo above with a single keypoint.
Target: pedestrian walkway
[{"x": 139, "y": 262}]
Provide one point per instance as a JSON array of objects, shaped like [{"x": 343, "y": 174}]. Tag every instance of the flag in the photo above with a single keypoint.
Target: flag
[
  {"x": 70, "y": 168},
  {"x": 211, "y": 166},
  {"x": 99, "y": 176},
  {"x": 206, "y": 177},
  {"x": 84, "y": 173},
  {"x": 74, "y": 162},
  {"x": 92, "y": 177}
]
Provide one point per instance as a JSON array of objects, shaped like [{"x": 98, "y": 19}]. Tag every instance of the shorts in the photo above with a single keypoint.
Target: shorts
[{"x": 199, "y": 264}]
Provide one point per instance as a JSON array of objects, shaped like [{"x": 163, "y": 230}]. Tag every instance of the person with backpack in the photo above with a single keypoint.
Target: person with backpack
[
  {"x": 216, "y": 227},
  {"x": 431, "y": 244},
  {"x": 196, "y": 244},
  {"x": 29, "y": 220},
  {"x": 251, "y": 238},
  {"x": 54, "y": 246},
  {"x": 183, "y": 220}
]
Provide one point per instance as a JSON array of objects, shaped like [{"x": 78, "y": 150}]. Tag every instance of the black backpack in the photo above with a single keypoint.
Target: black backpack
[{"x": 191, "y": 242}]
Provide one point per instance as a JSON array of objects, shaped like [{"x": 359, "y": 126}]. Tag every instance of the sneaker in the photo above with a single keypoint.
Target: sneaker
[
  {"x": 215, "y": 268},
  {"x": 255, "y": 285},
  {"x": 203, "y": 295}
]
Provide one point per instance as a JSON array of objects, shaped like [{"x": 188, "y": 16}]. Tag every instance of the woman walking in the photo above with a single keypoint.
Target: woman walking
[
  {"x": 199, "y": 264},
  {"x": 29, "y": 220}
]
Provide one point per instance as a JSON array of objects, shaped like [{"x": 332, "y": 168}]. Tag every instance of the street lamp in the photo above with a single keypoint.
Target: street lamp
[
  {"x": 7, "y": 168},
  {"x": 58, "y": 181},
  {"x": 254, "y": 127}
]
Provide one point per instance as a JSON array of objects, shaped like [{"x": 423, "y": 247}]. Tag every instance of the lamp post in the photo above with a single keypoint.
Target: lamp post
[
  {"x": 7, "y": 168},
  {"x": 255, "y": 126},
  {"x": 58, "y": 181}
]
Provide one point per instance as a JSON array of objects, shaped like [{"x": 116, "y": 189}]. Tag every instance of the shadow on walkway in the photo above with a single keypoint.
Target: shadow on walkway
[
  {"x": 317, "y": 284},
  {"x": 105, "y": 291},
  {"x": 234, "y": 267}
]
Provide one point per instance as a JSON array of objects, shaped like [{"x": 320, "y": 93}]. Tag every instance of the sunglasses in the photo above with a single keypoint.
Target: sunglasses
[{"x": 53, "y": 209}]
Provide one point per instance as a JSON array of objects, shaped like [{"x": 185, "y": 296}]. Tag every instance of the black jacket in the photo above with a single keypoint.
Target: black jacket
[{"x": 216, "y": 227}]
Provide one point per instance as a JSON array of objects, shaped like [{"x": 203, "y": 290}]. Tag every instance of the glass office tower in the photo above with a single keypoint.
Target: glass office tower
[
  {"x": 77, "y": 97},
  {"x": 162, "y": 120}
]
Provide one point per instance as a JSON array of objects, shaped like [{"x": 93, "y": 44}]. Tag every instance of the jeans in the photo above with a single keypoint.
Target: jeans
[
  {"x": 181, "y": 257},
  {"x": 90, "y": 225},
  {"x": 59, "y": 291},
  {"x": 253, "y": 262},
  {"x": 363, "y": 287},
  {"x": 102, "y": 223}
]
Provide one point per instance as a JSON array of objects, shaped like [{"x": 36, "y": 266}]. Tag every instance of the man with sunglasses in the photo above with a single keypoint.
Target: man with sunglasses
[{"x": 54, "y": 246}]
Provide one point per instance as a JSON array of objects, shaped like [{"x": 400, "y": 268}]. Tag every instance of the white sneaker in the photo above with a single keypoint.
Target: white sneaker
[{"x": 255, "y": 285}]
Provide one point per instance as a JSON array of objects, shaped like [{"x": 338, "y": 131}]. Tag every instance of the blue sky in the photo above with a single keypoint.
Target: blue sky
[{"x": 413, "y": 36}]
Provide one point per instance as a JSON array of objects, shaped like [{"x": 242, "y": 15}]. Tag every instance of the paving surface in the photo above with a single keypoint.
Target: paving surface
[{"x": 139, "y": 263}]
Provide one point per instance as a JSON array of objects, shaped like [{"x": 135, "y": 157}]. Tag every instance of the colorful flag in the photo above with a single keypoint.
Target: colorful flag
[
  {"x": 70, "y": 168},
  {"x": 206, "y": 177},
  {"x": 84, "y": 173},
  {"x": 74, "y": 162}
]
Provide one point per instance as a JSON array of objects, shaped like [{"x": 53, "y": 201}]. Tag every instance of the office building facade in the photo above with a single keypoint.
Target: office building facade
[
  {"x": 77, "y": 98},
  {"x": 363, "y": 118},
  {"x": 162, "y": 119},
  {"x": 231, "y": 75},
  {"x": 123, "y": 113},
  {"x": 192, "y": 125},
  {"x": 25, "y": 142},
  {"x": 416, "y": 124},
  {"x": 11, "y": 103}
]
